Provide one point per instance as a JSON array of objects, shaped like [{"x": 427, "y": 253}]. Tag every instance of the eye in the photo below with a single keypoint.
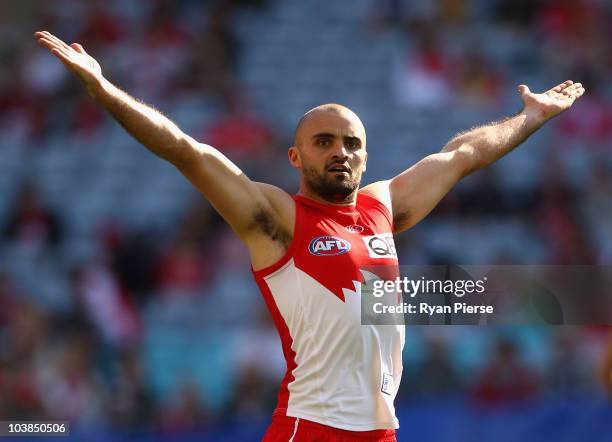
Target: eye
[
  {"x": 324, "y": 142},
  {"x": 353, "y": 144}
]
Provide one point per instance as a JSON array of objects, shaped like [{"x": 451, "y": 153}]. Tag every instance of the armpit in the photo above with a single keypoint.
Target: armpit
[
  {"x": 265, "y": 222},
  {"x": 401, "y": 220}
]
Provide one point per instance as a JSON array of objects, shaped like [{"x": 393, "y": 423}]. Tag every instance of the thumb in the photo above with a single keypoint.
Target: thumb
[
  {"x": 523, "y": 89},
  {"x": 77, "y": 47}
]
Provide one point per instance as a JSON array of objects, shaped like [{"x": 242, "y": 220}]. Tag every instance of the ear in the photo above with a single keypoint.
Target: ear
[
  {"x": 365, "y": 162},
  {"x": 294, "y": 157}
]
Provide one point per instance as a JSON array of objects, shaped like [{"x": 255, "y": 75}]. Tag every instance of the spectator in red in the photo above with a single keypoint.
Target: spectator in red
[
  {"x": 423, "y": 79},
  {"x": 506, "y": 378},
  {"x": 182, "y": 269},
  {"x": 240, "y": 133},
  {"x": 558, "y": 224},
  {"x": 477, "y": 82},
  {"x": 185, "y": 412}
]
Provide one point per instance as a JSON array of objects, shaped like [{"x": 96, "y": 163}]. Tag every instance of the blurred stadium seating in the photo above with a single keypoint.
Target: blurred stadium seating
[{"x": 127, "y": 306}]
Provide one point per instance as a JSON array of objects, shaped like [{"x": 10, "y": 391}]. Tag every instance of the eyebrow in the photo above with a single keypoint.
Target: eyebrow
[
  {"x": 324, "y": 135},
  {"x": 330, "y": 135}
]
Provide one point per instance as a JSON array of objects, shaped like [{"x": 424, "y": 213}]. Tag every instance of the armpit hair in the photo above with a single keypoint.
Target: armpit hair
[
  {"x": 400, "y": 219},
  {"x": 264, "y": 221}
]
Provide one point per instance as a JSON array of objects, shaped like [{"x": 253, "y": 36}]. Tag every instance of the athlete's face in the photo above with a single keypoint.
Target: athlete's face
[{"x": 330, "y": 153}]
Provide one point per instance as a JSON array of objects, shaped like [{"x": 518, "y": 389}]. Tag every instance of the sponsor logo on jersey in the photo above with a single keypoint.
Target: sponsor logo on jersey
[
  {"x": 388, "y": 385},
  {"x": 380, "y": 246},
  {"x": 328, "y": 246},
  {"x": 354, "y": 228}
]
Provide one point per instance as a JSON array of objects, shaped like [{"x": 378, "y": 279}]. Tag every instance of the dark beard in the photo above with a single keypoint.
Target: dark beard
[{"x": 335, "y": 189}]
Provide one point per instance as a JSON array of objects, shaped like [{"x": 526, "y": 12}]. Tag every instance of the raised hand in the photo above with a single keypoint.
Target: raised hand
[
  {"x": 552, "y": 102},
  {"x": 74, "y": 58}
]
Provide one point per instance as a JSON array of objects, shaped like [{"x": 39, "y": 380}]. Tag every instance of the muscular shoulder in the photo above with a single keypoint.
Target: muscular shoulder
[
  {"x": 380, "y": 191},
  {"x": 276, "y": 195}
]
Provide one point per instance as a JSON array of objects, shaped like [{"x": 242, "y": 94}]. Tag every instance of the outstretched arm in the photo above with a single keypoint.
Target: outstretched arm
[
  {"x": 487, "y": 144},
  {"x": 149, "y": 126},
  {"x": 416, "y": 191},
  {"x": 239, "y": 200}
]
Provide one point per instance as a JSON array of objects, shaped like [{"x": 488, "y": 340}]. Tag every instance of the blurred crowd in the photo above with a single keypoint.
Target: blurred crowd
[{"x": 136, "y": 310}]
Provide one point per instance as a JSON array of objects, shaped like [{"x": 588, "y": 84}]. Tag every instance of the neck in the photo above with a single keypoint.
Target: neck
[{"x": 349, "y": 200}]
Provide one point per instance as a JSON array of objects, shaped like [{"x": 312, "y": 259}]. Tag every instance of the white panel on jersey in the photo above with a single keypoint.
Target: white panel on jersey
[{"x": 341, "y": 364}]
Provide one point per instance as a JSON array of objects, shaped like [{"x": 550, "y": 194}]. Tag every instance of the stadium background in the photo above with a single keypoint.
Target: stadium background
[{"x": 127, "y": 306}]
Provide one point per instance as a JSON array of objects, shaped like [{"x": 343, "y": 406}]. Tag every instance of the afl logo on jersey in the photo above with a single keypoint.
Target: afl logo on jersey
[{"x": 328, "y": 246}]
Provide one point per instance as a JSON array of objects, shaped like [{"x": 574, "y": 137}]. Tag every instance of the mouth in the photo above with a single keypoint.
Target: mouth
[{"x": 339, "y": 168}]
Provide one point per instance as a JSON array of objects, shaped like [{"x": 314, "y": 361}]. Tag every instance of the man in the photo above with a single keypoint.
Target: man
[{"x": 306, "y": 250}]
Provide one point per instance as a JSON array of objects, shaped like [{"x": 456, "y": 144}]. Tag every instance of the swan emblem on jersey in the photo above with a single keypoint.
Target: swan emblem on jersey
[
  {"x": 328, "y": 246},
  {"x": 355, "y": 228}
]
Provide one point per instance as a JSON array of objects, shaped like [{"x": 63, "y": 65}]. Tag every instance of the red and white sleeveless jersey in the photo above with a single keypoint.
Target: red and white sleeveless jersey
[{"x": 339, "y": 373}]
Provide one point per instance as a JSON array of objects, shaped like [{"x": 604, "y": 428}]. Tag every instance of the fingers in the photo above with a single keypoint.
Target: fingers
[
  {"x": 573, "y": 91},
  {"x": 561, "y": 86},
  {"x": 523, "y": 89},
  {"x": 63, "y": 57},
  {"x": 571, "y": 87},
  {"x": 51, "y": 43},
  {"x": 578, "y": 93},
  {"x": 50, "y": 37},
  {"x": 58, "y": 47},
  {"x": 52, "y": 46},
  {"x": 567, "y": 90},
  {"x": 77, "y": 47}
]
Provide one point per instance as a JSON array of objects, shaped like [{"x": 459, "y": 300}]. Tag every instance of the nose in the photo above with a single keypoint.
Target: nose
[{"x": 341, "y": 151}]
